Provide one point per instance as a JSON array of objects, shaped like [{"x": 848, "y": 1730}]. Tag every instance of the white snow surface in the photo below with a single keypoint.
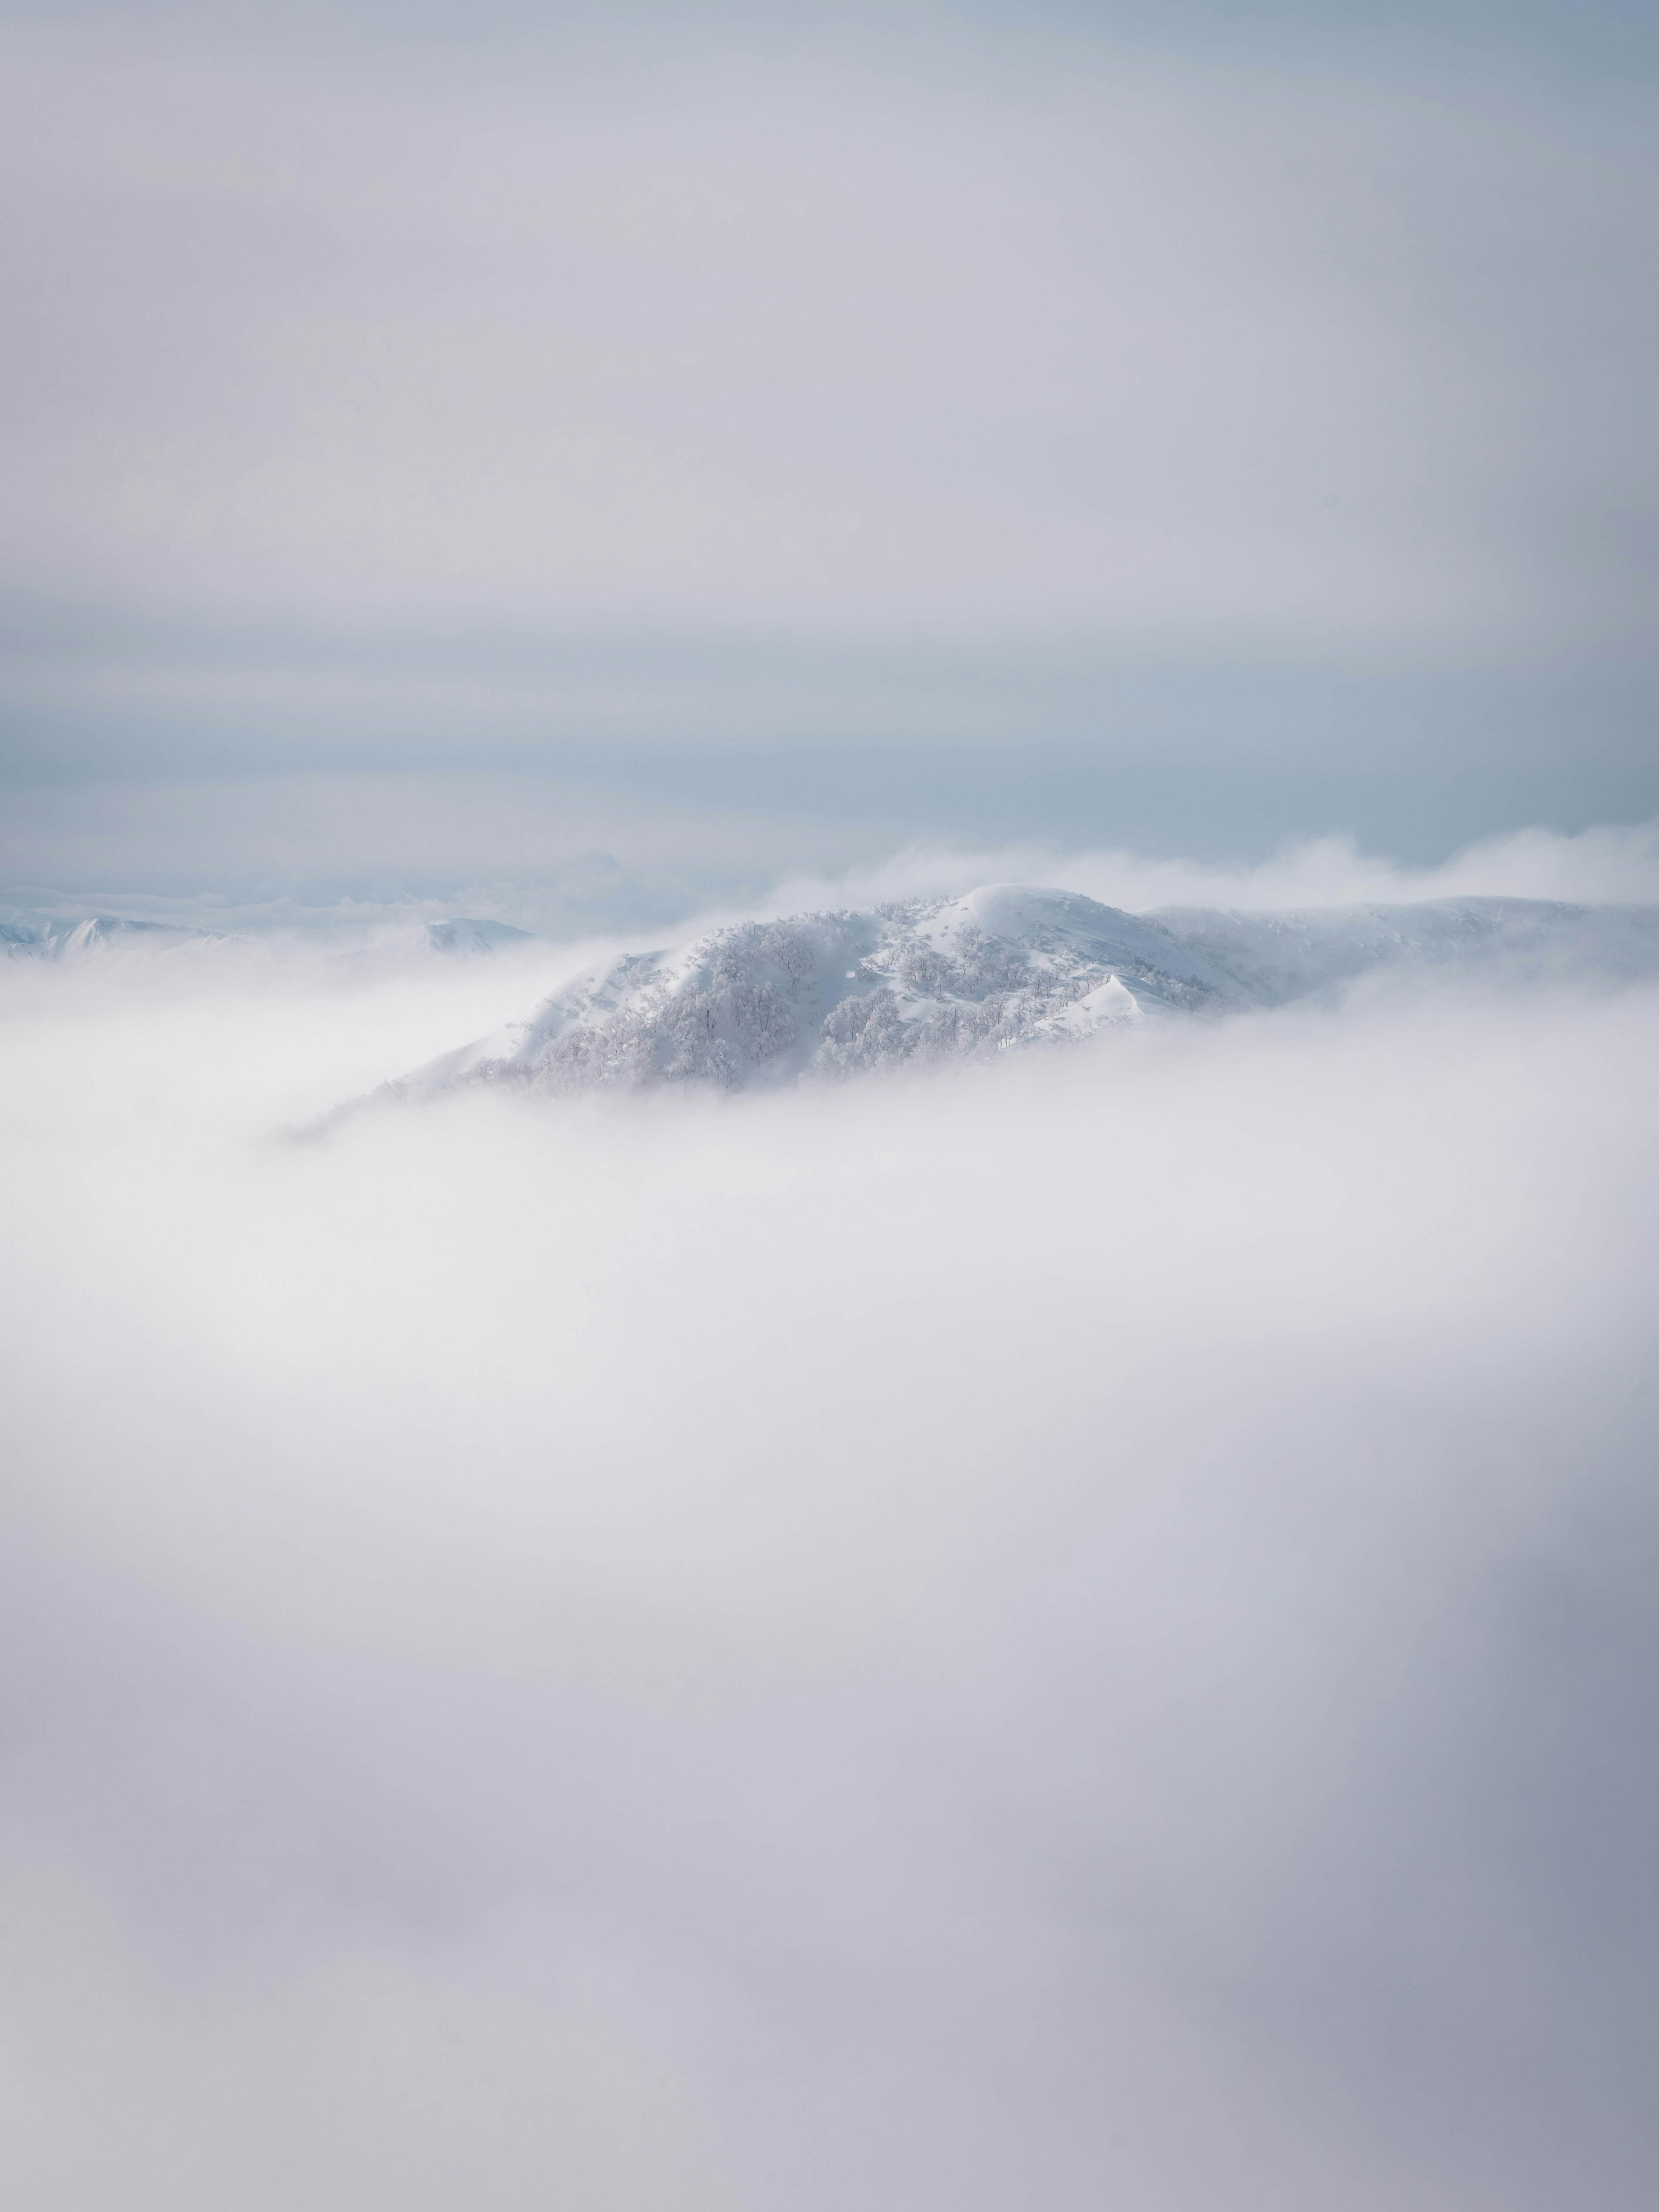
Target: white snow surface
[{"x": 829, "y": 994}]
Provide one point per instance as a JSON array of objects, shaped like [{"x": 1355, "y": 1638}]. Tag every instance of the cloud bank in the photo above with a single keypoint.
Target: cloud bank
[
  {"x": 1612, "y": 863},
  {"x": 1082, "y": 1631}
]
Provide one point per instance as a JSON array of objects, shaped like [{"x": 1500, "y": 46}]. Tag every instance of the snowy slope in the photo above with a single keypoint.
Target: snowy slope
[
  {"x": 827, "y": 994},
  {"x": 836, "y": 993}
]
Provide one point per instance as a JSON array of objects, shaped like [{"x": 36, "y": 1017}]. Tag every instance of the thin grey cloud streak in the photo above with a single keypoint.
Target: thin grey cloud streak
[{"x": 1084, "y": 1630}]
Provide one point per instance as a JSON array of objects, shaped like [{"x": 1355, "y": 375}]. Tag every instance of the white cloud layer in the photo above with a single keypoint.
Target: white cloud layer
[
  {"x": 1077, "y": 1635},
  {"x": 1612, "y": 863}
]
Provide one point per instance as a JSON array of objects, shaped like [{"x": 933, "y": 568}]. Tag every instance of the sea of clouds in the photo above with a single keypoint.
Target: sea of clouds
[{"x": 1074, "y": 1633}]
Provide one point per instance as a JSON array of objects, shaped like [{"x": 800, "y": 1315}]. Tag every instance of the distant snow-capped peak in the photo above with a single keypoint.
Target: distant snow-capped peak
[{"x": 834, "y": 994}]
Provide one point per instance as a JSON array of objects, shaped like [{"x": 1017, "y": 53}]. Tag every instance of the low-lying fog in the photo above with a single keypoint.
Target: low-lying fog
[{"x": 1072, "y": 1634}]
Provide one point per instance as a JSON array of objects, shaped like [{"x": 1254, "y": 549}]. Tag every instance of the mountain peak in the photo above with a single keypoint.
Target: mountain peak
[
  {"x": 819, "y": 995},
  {"x": 836, "y": 992}
]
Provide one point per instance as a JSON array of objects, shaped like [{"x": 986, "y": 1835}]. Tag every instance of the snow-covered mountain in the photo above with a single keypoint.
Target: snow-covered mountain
[
  {"x": 48, "y": 934},
  {"x": 834, "y": 994},
  {"x": 57, "y": 937},
  {"x": 470, "y": 938}
]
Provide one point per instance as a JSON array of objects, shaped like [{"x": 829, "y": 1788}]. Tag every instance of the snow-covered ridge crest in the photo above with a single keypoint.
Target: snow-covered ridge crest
[
  {"x": 827, "y": 994},
  {"x": 835, "y": 993}
]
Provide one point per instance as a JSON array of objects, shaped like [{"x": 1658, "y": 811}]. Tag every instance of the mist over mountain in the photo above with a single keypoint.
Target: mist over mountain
[
  {"x": 923, "y": 982},
  {"x": 829, "y": 1177},
  {"x": 852, "y": 1641}
]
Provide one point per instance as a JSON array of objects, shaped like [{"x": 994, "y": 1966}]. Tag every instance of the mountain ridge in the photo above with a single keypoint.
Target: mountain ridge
[{"x": 839, "y": 991}]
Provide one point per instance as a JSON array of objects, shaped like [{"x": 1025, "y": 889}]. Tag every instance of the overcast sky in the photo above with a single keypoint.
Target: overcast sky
[{"x": 1199, "y": 426}]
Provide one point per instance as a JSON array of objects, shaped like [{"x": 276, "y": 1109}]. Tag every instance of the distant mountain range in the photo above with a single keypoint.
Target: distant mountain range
[
  {"x": 30, "y": 933},
  {"x": 54, "y": 937},
  {"x": 934, "y": 980}
]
